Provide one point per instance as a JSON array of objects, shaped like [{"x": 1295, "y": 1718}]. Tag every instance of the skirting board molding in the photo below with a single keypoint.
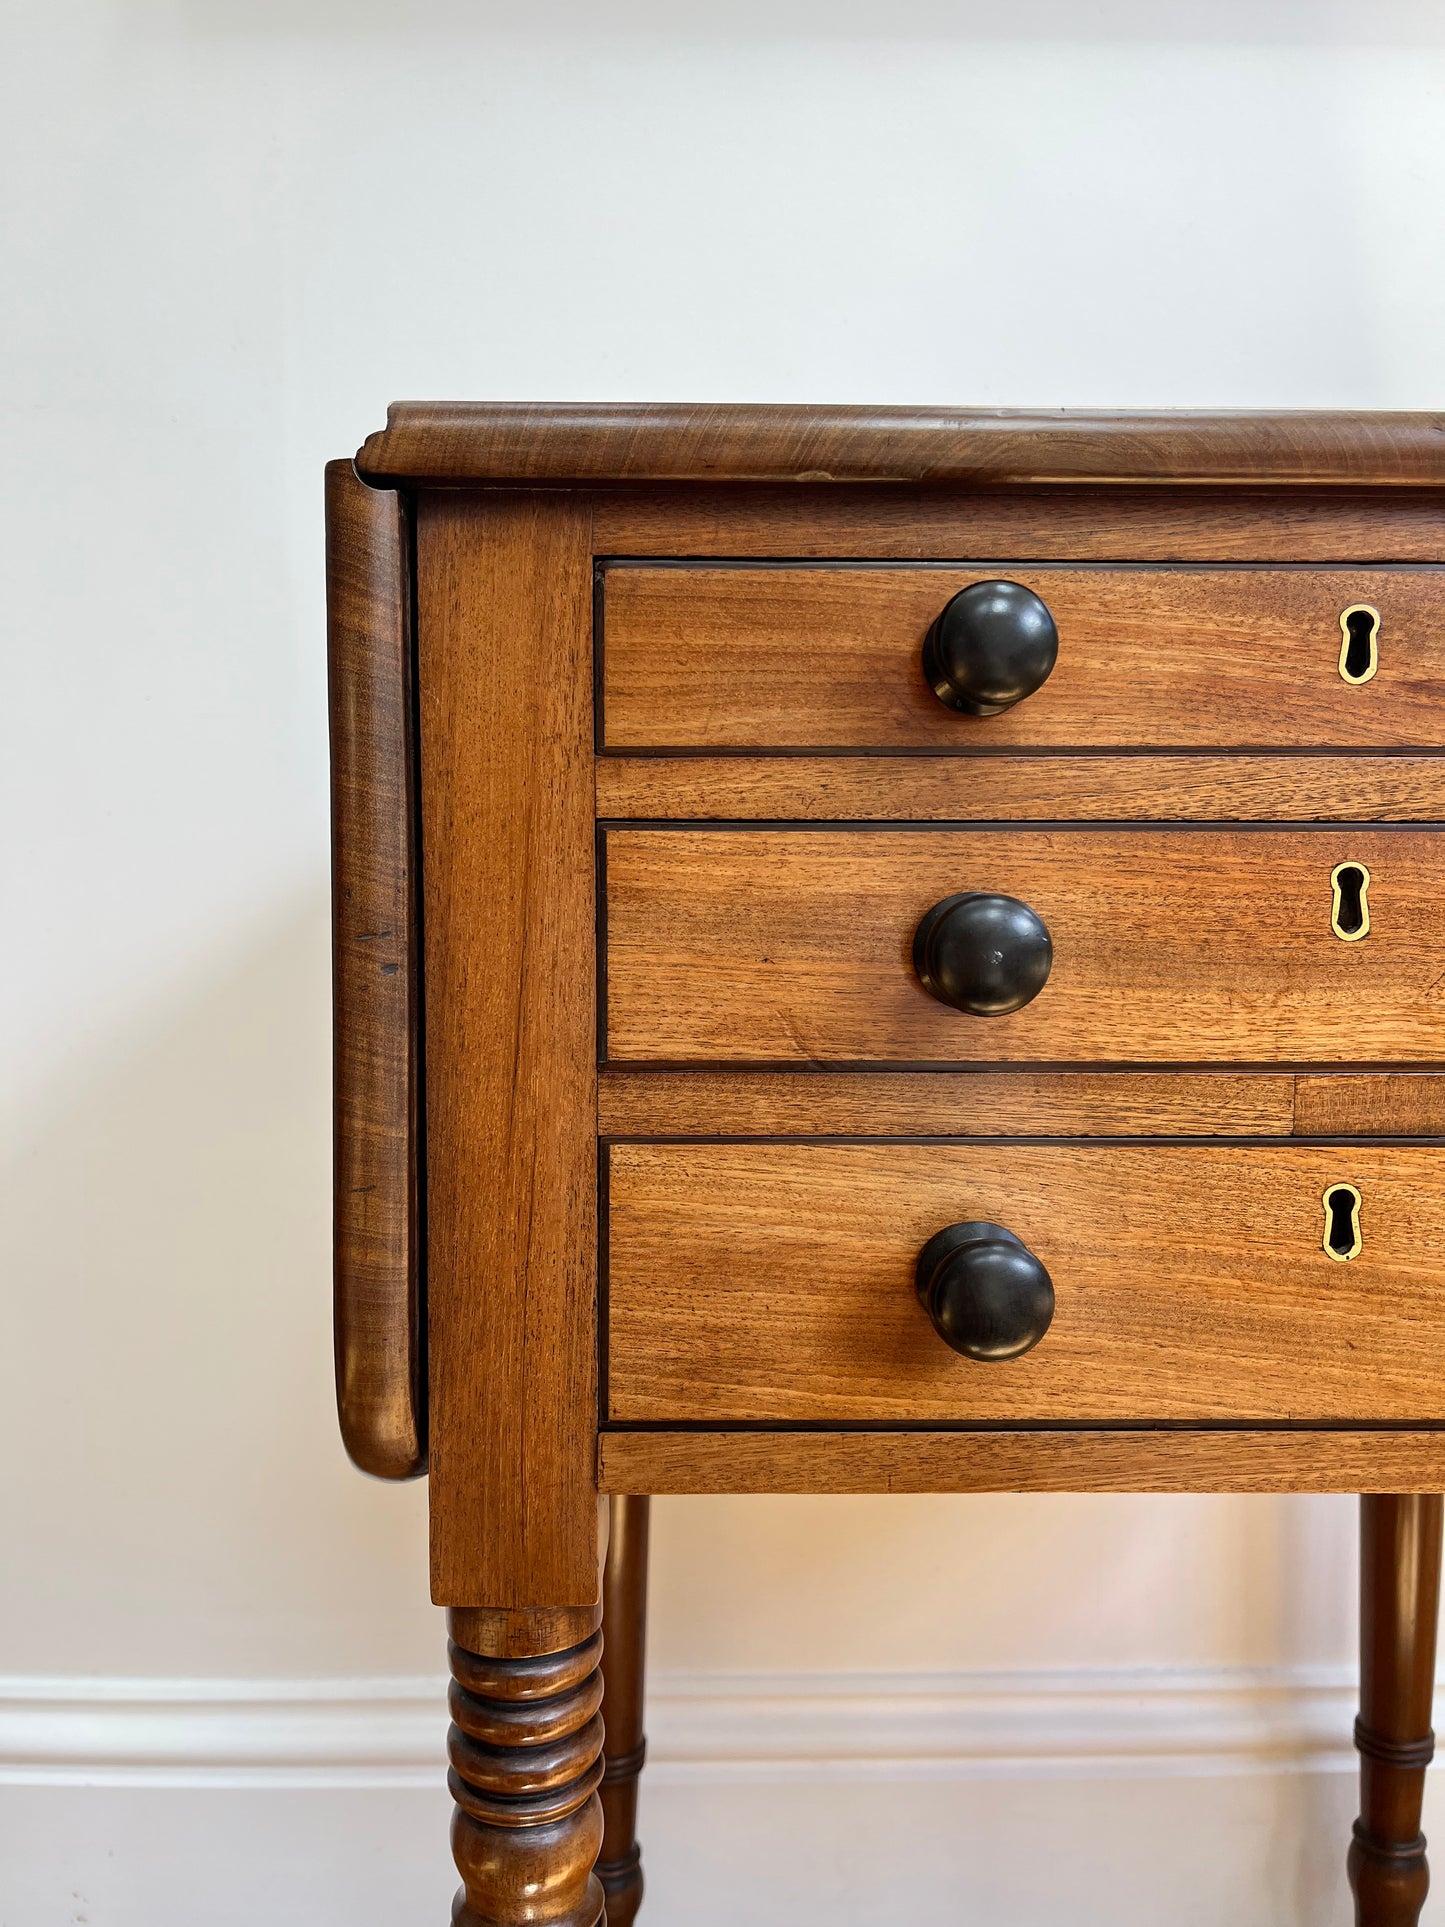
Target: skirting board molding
[{"x": 703, "y": 1728}]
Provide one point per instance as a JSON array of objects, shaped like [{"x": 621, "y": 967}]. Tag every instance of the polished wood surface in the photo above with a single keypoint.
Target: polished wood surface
[
  {"x": 765, "y": 1282},
  {"x": 525, "y": 1746},
  {"x": 974, "y": 1103},
  {"x": 952, "y": 1104},
  {"x": 379, "y": 1311},
  {"x": 739, "y": 658},
  {"x": 504, "y": 616},
  {"x": 786, "y": 1116},
  {"x": 1176, "y": 524},
  {"x": 505, "y": 1634},
  {"x": 624, "y": 1620},
  {"x": 1233, "y": 1460},
  {"x": 919, "y": 789},
  {"x": 1399, "y": 1608},
  {"x": 1170, "y": 946},
  {"x": 807, "y": 443},
  {"x": 1371, "y": 1104}
]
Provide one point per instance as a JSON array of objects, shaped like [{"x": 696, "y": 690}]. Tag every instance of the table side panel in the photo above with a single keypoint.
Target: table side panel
[
  {"x": 762, "y": 1461},
  {"x": 504, "y": 611}
]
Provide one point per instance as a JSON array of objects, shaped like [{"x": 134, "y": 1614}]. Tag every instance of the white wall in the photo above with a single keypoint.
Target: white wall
[{"x": 233, "y": 230}]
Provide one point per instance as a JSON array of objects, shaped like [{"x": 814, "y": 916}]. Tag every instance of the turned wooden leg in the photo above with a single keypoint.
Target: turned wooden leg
[
  {"x": 1399, "y": 1602},
  {"x": 624, "y": 1622},
  {"x": 526, "y": 1758}
]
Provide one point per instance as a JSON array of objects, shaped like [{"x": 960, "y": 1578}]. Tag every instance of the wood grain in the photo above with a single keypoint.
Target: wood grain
[
  {"x": 624, "y": 1594},
  {"x": 525, "y": 1745},
  {"x": 765, "y": 1283},
  {"x": 760, "y": 1291},
  {"x": 1170, "y": 946},
  {"x": 1399, "y": 1612},
  {"x": 1160, "y": 1461},
  {"x": 523, "y": 1635},
  {"x": 1369, "y": 1104},
  {"x": 949, "y": 1104},
  {"x": 715, "y": 441},
  {"x": 922, "y": 788},
  {"x": 740, "y": 658},
  {"x": 1163, "y": 524},
  {"x": 378, "y": 1298},
  {"x": 504, "y": 592}
]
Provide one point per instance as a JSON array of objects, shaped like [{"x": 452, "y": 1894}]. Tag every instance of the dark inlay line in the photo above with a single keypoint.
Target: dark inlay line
[{"x": 1306, "y": 1426}]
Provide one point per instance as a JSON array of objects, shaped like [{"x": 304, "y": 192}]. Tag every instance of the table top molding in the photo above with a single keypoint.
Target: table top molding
[{"x": 608, "y": 443}]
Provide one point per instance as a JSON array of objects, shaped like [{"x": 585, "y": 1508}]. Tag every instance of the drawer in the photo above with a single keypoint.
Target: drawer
[
  {"x": 776, "y": 1282},
  {"x": 792, "y": 658},
  {"x": 1168, "y": 946}
]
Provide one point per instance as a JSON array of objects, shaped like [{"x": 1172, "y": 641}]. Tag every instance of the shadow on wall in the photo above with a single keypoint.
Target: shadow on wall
[
  {"x": 1025, "y": 1586},
  {"x": 167, "y": 1369},
  {"x": 909, "y": 1583}
]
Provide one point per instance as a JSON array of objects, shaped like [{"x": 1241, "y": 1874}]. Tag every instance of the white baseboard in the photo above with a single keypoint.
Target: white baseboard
[
  {"x": 996, "y": 1725},
  {"x": 704, "y": 1728}
]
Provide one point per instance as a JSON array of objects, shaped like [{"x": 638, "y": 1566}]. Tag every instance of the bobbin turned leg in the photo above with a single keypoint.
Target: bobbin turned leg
[
  {"x": 526, "y": 1758},
  {"x": 1399, "y": 1602},
  {"x": 624, "y": 1623}
]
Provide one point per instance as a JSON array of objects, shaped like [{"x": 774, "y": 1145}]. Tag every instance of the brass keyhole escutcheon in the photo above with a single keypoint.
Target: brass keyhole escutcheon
[
  {"x": 1360, "y": 644},
  {"x": 1350, "y": 909},
  {"x": 1343, "y": 1238}
]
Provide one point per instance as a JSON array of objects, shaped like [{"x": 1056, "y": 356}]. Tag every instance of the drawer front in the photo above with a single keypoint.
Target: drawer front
[
  {"x": 817, "y": 658},
  {"x": 776, "y": 1282},
  {"x": 1169, "y": 946}
]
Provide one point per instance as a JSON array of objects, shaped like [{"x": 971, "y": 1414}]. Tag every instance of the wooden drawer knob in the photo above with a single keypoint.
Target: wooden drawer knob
[
  {"x": 982, "y": 953},
  {"x": 986, "y": 1293},
  {"x": 991, "y": 645}
]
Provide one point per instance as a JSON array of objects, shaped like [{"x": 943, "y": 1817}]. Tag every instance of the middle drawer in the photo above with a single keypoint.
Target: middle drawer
[{"x": 1168, "y": 946}]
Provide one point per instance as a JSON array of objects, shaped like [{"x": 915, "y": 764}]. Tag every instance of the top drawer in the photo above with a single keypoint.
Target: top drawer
[{"x": 788, "y": 657}]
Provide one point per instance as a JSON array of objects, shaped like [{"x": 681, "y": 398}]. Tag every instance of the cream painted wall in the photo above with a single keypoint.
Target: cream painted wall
[{"x": 233, "y": 230}]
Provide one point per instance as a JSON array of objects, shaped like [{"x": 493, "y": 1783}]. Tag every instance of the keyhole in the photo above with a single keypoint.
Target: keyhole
[
  {"x": 1350, "y": 913},
  {"x": 1342, "y": 1222},
  {"x": 1360, "y": 647}
]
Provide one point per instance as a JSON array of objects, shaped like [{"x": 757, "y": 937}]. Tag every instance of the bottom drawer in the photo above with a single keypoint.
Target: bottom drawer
[{"x": 776, "y": 1282}]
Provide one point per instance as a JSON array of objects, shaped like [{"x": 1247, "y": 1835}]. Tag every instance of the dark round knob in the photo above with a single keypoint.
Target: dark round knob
[
  {"x": 987, "y": 1294},
  {"x": 993, "y": 644},
  {"x": 984, "y": 954}
]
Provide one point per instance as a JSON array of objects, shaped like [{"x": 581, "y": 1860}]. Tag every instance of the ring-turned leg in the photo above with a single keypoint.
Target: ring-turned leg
[
  {"x": 1399, "y": 1604},
  {"x": 624, "y": 1622},
  {"x": 526, "y": 1758}
]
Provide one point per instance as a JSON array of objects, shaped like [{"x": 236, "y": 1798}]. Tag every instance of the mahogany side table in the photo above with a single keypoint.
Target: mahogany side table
[{"x": 879, "y": 950}]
